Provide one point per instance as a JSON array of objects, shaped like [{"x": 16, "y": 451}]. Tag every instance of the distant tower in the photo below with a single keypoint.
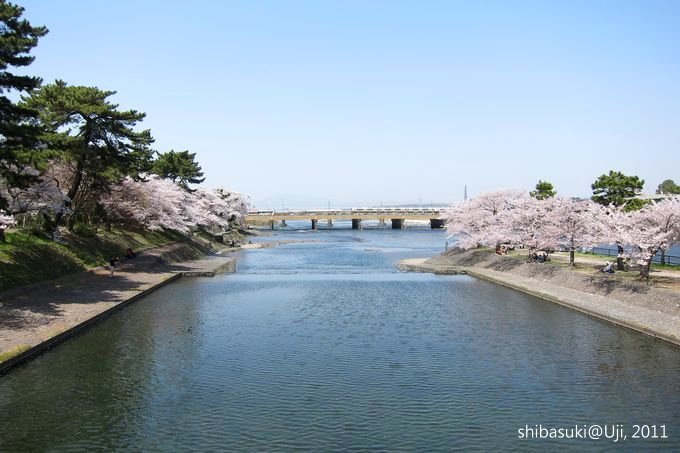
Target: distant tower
[{"x": 465, "y": 193}]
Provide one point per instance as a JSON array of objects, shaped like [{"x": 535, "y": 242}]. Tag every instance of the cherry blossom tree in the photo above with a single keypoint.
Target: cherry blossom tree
[
  {"x": 237, "y": 203},
  {"x": 157, "y": 203},
  {"x": 465, "y": 224},
  {"x": 551, "y": 224},
  {"x": 220, "y": 207},
  {"x": 612, "y": 226},
  {"x": 480, "y": 220},
  {"x": 42, "y": 199},
  {"x": 652, "y": 229},
  {"x": 573, "y": 224},
  {"x": 513, "y": 217},
  {"x": 562, "y": 223},
  {"x": 205, "y": 209},
  {"x": 527, "y": 223},
  {"x": 498, "y": 201}
]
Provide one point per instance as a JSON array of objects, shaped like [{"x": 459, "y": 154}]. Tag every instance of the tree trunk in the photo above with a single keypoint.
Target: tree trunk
[
  {"x": 71, "y": 222},
  {"x": 48, "y": 225},
  {"x": 663, "y": 256},
  {"x": 57, "y": 217},
  {"x": 571, "y": 257},
  {"x": 73, "y": 190},
  {"x": 644, "y": 270},
  {"x": 2, "y": 235},
  {"x": 619, "y": 257}
]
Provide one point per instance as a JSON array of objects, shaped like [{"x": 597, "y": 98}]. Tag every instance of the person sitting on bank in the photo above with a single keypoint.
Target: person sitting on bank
[
  {"x": 608, "y": 268},
  {"x": 130, "y": 254}
]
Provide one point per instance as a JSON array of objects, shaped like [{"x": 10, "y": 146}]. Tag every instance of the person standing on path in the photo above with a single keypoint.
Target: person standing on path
[{"x": 112, "y": 264}]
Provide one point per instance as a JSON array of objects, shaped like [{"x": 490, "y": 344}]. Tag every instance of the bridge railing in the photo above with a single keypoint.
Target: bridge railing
[{"x": 358, "y": 211}]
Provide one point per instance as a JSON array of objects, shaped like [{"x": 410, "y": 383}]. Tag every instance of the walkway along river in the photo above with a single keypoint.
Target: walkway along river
[{"x": 324, "y": 345}]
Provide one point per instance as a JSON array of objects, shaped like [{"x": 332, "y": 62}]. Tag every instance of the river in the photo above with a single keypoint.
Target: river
[{"x": 323, "y": 345}]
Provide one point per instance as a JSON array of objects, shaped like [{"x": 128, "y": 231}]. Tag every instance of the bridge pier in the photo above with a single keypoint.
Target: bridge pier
[
  {"x": 356, "y": 224},
  {"x": 436, "y": 223},
  {"x": 314, "y": 221},
  {"x": 330, "y": 222},
  {"x": 272, "y": 224},
  {"x": 381, "y": 222},
  {"x": 398, "y": 224},
  {"x": 283, "y": 223}
]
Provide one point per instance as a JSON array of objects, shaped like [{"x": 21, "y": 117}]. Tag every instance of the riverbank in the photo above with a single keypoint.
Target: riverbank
[
  {"x": 36, "y": 317},
  {"x": 28, "y": 257},
  {"x": 620, "y": 298}
]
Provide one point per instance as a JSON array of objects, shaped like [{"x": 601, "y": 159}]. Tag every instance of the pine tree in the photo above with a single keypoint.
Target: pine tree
[
  {"x": 18, "y": 136},
  {"x": 619, "y": 190},
  {"x": 89, "y": 133},
  {"x": 544, "y": 189},
  {"x": 668, "y": 187},
  {"x": 180, "y": 167}
]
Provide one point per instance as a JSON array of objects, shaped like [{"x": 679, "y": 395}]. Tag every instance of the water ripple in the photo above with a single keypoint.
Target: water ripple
[{"x": 336, "y": 357}]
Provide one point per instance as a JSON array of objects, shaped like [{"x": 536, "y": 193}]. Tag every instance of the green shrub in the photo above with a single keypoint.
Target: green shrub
[{"x": 85, "y": 230}]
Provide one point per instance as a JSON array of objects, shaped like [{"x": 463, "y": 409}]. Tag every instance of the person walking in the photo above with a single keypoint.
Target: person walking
[{"x": 112, "y": 264}]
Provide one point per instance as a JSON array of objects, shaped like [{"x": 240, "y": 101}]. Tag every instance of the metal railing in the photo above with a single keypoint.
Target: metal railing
[{"x": 669, "y": 260}]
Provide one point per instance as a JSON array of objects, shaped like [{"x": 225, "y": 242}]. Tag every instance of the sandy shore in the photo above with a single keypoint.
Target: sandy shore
[{"x": 619, "y": 299}]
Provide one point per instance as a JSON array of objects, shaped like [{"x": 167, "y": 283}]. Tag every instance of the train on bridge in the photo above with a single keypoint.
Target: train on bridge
[{"x": 397, "y": 216}]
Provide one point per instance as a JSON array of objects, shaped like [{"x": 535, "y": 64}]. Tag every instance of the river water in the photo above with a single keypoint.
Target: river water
[{"x": 322, "y": 345}]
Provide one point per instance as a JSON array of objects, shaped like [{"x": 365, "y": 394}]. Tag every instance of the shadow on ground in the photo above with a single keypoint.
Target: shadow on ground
[
  {"x": 40, "y": 302},
  {"x": 608, "y": 284}
]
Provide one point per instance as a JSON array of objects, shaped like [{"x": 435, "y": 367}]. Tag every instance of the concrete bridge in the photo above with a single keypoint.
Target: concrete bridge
[{"x": 398, "y": 216}]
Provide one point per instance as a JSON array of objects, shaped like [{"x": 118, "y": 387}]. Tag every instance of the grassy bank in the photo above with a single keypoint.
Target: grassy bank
[{"x": 26, "y": 258}]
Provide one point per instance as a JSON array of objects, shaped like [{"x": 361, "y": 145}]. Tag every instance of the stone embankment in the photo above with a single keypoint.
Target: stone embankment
[
  {"x": 39, "y": 316},
  {"x": 635, "y": 305}
]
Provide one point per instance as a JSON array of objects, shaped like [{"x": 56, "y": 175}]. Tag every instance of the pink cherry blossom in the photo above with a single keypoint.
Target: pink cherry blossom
[{"x": 654, "y": 228}]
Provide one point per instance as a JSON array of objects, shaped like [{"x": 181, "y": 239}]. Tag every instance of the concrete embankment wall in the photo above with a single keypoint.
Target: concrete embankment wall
[
  {"x": 647, "y": 321},
  {"x": 43, "y": 346},
  {"x": 99, "y": 295}
]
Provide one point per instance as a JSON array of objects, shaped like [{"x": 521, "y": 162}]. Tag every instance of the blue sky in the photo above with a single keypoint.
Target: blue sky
[{"x": 302, "y": 103}]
